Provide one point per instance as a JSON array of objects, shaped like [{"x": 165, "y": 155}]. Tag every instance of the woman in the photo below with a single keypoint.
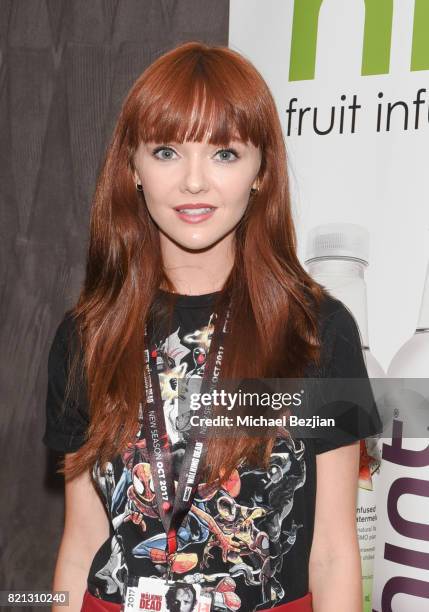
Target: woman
[{"x": 192, "y": 267}]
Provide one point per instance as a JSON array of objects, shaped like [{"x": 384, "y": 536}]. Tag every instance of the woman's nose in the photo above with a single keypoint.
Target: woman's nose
[{"x": 195, "y": 177}]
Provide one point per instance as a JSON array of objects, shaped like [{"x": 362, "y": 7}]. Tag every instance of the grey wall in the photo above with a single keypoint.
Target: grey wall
[{"x": 65, "y": 66}]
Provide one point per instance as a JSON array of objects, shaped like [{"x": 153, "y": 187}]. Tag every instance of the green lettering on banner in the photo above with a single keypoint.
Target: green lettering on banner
[
  {"x": 304, "y": 39},
  {"x": 420, "y": 52},
  {"x": 377, "y": 37}
]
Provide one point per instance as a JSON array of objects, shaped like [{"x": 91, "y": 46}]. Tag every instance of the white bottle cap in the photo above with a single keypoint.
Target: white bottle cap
[{"x": 338, "y": 241}]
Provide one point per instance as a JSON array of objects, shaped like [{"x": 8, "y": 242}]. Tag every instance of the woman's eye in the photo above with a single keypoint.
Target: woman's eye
[
  {"x": 168, "y": 150},
  {"x": 227, "y": 152}
]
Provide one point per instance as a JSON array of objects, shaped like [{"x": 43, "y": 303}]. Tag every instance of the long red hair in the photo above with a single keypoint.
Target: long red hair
[{"x": 194, "y": 91}]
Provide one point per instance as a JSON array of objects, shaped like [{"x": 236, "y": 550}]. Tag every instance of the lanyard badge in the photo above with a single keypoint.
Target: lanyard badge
[
  {"x": 174, "y": 503},
  {"x": 155, "y": 594}
]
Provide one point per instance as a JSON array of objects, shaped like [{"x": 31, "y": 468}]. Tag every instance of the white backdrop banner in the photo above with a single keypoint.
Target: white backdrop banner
[{"x": 351, "y": 84}]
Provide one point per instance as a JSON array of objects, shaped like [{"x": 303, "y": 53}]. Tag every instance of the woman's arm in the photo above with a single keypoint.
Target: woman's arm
[
  {"x": 335, "y": 568},
  {"x": 86, "y": 527}
]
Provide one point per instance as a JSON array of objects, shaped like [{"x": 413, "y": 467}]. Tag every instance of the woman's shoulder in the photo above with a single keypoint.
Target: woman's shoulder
[
  {"x": 340, "y": 339},
  {"x": 334, "y": 318},
  {"x": 67, "y": 414},
  {"x": 66, "y": 334},
  {"x": 65, "y": 344},
  {"x": 67, "y": 327}
]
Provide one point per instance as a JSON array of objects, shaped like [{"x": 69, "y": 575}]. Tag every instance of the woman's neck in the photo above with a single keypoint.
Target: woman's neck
[{"x": 198, "y": 272}]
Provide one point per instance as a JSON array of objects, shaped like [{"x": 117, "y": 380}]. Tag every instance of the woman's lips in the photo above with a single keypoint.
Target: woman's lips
[{"x": 195, "y": 215}]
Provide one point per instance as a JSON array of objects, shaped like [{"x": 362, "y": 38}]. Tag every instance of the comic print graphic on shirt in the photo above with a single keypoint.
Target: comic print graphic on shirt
[{"x": 234, "y": 540}]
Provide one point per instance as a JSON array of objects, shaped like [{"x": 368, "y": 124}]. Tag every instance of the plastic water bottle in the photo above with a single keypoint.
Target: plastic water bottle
[
  {"x": 402, "y": 551},
  {"x": 336, "y": 256}
]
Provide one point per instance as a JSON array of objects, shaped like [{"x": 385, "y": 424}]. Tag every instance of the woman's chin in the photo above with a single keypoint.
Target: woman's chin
[
  {"x": 197, "y": 245},
  {"x": 197, "y": 242}
]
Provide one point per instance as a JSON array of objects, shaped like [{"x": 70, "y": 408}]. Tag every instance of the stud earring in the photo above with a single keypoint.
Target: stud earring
[
  {"x": 254, "y": 190},
  {"x": 139, "y": 187}
]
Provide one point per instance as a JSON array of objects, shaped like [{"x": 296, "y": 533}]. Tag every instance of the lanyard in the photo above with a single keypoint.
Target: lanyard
[{"x": 173, "y": 505}]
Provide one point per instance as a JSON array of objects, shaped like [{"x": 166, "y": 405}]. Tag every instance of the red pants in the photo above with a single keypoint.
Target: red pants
[{"x": 93, "y": 604}]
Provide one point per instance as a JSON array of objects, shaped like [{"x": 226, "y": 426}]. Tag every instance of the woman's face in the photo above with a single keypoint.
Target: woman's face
[{"x": 196, "y": 192}]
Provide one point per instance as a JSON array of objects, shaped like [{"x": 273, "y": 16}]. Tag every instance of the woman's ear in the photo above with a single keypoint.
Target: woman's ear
[{"x": 136, "y": 177}]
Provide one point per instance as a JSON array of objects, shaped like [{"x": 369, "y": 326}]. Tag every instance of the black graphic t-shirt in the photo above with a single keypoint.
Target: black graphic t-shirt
[{"x": 267, "y": 513}]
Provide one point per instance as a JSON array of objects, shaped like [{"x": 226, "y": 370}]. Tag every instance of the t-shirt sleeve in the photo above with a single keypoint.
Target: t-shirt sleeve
[
  {"x": 67, "y": 416},
  {"x": 351, "y": 401}
]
